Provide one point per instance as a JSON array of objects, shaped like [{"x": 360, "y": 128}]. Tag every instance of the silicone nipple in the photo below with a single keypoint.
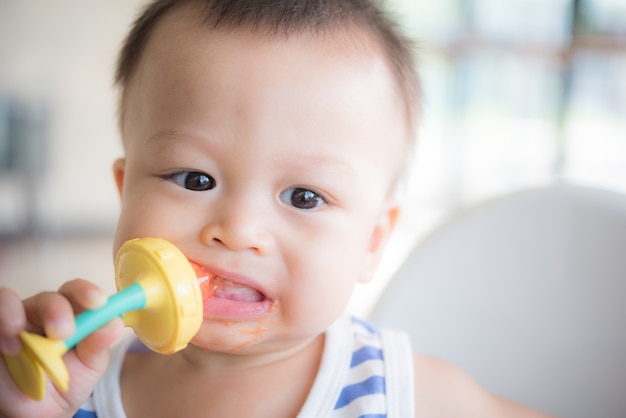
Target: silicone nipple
[{"x": 206, "y": 280}]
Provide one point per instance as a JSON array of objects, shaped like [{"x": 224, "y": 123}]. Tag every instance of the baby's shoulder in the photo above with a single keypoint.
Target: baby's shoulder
[{"x": 444, "y": 390}]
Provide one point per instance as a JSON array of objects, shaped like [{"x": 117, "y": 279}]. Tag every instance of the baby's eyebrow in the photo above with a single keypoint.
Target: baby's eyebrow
[
  {"x": 164, "y": 139},
  {"x": 339, "y": 165}
]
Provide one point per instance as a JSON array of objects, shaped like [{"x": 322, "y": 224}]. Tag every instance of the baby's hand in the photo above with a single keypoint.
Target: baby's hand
[{"x": 52, "y": 314}]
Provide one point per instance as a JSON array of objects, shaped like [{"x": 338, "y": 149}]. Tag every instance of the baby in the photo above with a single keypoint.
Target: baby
[{"x": 265, "y": 139}]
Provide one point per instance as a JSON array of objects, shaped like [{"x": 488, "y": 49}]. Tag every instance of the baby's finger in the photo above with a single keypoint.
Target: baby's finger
[
  {"x": 83, "y": 294},
  {"x": 93, "y": 350},
  {"x": 52, "y": 312},
  {"x": 12, "y": 321}
]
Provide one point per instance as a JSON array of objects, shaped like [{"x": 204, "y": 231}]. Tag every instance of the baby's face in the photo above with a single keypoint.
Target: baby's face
[{"x": 267, "y": 162}]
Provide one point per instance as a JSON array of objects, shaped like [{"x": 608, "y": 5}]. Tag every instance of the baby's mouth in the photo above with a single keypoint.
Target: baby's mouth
[{"x": 219, "y": 287}]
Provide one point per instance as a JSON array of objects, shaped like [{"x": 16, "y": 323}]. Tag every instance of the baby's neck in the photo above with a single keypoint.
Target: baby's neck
[
  {"x": 193, "y": 383},
  {"x": 215, "y": 363}
]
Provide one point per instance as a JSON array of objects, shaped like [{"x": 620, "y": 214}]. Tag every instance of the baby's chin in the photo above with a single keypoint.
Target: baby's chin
[{"x": 226, "y": 336}]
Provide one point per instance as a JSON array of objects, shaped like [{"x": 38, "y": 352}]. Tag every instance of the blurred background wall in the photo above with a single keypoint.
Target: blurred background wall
[
  {"x": 518, "y": 94},
  {"x": 57, "y": 114}
]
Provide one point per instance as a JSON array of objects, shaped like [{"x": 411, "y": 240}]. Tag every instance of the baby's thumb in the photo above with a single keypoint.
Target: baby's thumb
[
  {"x": 89, "y": 360},
  {"x": 93, "y": 351}
]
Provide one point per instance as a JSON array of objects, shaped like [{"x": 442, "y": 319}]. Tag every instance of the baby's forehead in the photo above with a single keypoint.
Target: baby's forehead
[{"x": 345, "y": 38}]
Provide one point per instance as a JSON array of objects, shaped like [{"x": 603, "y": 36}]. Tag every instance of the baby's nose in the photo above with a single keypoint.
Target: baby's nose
[{"x": 238, "y": 228}]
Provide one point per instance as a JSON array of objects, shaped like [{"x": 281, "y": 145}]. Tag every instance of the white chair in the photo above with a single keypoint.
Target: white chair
[{"x": 527, "y": 294}]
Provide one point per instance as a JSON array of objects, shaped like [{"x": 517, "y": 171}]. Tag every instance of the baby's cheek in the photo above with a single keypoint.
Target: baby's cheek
[{"x": 323, "y": 302}]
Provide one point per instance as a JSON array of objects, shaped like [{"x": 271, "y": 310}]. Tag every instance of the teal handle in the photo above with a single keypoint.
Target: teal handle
[{"x": 129, "y": 299}]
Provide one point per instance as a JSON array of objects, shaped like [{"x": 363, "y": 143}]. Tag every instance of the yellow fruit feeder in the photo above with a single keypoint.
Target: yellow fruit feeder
[{"x": 158, "y": 297}]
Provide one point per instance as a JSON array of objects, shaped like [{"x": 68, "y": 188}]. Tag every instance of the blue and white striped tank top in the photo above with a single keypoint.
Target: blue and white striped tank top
[{"x": 365, "y": 373}]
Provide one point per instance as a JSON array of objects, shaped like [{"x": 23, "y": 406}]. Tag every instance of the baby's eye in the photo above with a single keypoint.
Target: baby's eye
[
  {"x": 193, "y": 180},
  {"x": 302, "y": 198}
]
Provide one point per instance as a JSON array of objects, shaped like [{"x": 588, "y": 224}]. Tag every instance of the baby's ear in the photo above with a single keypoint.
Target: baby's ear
[
  {"x": 119, "y": 170},
  {"x": 384, "y": 227}
]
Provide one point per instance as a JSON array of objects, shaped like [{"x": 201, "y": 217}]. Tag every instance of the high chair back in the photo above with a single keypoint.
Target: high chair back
[{"x": 527, "y": 294}]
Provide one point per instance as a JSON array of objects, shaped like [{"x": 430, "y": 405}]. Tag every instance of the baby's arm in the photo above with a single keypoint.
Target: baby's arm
[
  {"x": 442, "y": 390},
  {"x": 52, "y": 313}
]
